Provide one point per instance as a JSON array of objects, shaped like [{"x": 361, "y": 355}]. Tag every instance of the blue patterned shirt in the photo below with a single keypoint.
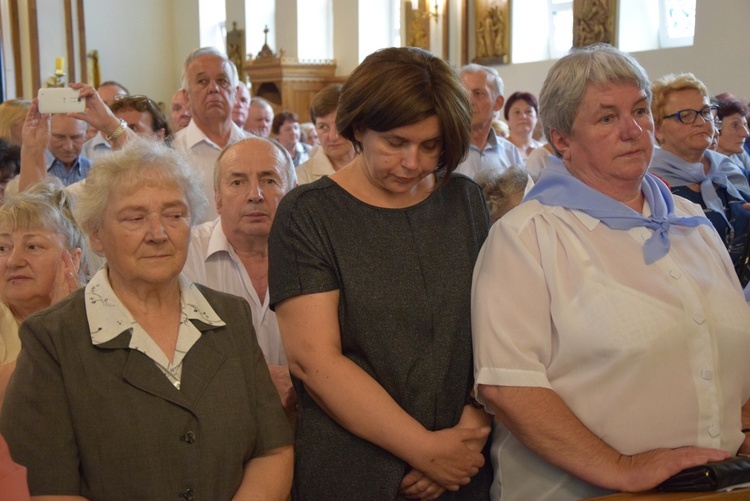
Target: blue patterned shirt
[{"x": 78, "y": 172}]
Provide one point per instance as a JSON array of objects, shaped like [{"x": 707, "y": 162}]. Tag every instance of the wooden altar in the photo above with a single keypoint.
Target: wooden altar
[{"x": 288, "y": 83}]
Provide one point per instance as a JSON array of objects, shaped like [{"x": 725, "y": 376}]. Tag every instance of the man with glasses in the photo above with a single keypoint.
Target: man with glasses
[
  {"x": 685, "y": 123},
  {"x": 241, "y": 105}
]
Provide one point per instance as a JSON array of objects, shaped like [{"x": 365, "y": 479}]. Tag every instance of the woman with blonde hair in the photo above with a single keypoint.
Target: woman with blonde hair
[
  {"x": 685, "y": 124},
  {"x": 12, "y": 115},
  {"x": 40, "y": 262}
]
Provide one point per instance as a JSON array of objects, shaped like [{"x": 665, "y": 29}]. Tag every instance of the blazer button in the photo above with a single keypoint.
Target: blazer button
[
  {"x": 189, "y": 494},
  {"x": 189, "y": 437}
]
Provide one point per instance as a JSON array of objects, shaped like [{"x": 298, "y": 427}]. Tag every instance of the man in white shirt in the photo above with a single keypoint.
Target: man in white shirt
[
  {"x": 259, "y": 117},
  {"x": 487, "y": 151},
  {"x": 230, "y": 254},
  {"x": 241, "y": 105},
  {"x": 209, "y": 82},
  {"x": 180, "y": 112}
]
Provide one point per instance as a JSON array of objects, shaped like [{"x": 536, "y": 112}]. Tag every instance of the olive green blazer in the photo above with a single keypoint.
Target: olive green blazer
[{"x": 105, "y": 423}]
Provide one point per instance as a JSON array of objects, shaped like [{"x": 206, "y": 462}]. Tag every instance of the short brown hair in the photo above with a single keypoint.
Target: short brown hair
[
  {"x": 280, "y": 118},
  {"x": 400, "y": 86},
  {"x": 325, "y": 102}
]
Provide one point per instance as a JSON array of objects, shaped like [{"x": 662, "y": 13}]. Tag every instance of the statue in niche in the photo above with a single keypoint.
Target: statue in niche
[
  {"x": 418, "y": 33},
  {"x": 235, "y": 49},
  {"x": 486, "y": 37},
  {"x": 491, "y": 34}
]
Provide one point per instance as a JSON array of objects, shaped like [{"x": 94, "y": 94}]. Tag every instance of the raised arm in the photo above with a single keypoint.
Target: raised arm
[
  {"x": 35, "y": 137},
  {"x": 99, "y": 116},
  {"x": 312, "y": 341},
  {"x": 542, "y": 422}
]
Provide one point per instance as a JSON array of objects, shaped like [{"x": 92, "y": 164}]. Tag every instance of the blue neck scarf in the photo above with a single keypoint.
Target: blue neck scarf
[
  {"x": 722, "y": 172},
  {"x": 557, "y": 186}
]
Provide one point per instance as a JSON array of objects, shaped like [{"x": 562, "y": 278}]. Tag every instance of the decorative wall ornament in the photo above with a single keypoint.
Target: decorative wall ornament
[
  {"x": 418, "y": 23},
  {"x": 92, "y": 65},
  {"x": 492, "y": 31},
  {"x": 288, "y": 83},
  {"x": 594, "y": 21},
  {"x": 236, "y": 49}
]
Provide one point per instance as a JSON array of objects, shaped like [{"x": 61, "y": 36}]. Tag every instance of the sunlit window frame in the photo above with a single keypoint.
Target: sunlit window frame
[
  {"x": 665, "y": 41},
  {"x": 556, "y": 6}
]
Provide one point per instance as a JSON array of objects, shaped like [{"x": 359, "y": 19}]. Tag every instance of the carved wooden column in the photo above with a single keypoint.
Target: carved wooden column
[{"x": 594, "y": 21}]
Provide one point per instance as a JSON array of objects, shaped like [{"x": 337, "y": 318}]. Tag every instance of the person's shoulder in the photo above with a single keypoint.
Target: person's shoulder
[
  {"x": 308, "y": 192},
  {"x": 685, "y": 207},
  {"x": 202, "y": 232},
  {"x": 510, "y": 150},
  {"x": 460, "y": 181},
  {"x": 310, "y": 201},
  {"x": 71, "y": 308},
  {"x": 223, "y": 303}
]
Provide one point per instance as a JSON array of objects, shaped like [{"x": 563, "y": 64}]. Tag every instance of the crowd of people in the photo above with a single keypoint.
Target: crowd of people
[{"x": 396, "y": 300}]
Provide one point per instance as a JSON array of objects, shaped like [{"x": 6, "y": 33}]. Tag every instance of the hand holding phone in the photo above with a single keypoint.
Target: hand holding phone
[{"x": 60, "y": 100}]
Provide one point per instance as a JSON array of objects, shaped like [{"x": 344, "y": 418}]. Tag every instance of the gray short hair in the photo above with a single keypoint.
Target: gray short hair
[
  {"x": 290, "y": 172},
  {"x": 568, "y": 79},
  {"x": 139, "y": 161},
  {"x": 259, "y": 101},
  {"x": 208, "y": 51},
  {"x": 492, "y": 76},
  {"x": 499, "y": 186}
]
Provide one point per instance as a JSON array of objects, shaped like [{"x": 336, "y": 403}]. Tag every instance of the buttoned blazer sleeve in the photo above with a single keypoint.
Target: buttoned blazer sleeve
[{"x": 35, "y": 419}]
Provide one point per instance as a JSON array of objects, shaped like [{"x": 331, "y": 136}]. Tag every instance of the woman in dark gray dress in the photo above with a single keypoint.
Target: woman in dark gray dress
[{"x": 370, "y": 276}]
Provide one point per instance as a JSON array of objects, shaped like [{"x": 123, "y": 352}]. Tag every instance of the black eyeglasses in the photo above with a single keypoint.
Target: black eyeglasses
[{"x": 689, "y": 116}]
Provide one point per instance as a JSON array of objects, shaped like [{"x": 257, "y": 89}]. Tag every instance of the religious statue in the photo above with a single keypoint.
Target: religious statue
[{"x": 491, "y": 35}]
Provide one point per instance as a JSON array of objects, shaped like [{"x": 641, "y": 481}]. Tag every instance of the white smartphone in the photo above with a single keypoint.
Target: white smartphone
[{"x": 60, "y": 100}]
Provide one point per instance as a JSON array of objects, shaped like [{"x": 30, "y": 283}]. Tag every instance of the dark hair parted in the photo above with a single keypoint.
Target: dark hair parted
[
  {"x": 729, "y": 105},
  {"x": 280, "y": 118},
  {"x": 400, "y": 86},
  {"x": 325, "y": 102},
  {"x": 520, "y": 96}
]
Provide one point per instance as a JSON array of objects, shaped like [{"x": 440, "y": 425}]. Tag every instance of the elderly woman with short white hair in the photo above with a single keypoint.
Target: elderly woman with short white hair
[
  {"x": 610, "y": 330},
  {"x": 145, "y": 385}
]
